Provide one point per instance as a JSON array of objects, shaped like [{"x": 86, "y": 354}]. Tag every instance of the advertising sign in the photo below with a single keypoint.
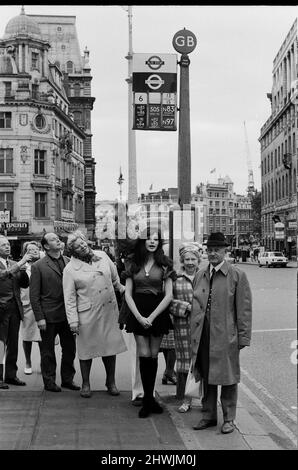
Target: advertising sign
[{"x": 154, "y": 86}]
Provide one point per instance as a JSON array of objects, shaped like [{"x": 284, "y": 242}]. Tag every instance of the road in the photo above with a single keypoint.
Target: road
[{"x": 269, "y": 365}]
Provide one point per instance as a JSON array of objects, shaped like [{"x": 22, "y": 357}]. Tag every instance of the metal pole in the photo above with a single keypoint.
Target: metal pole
[
  {"x": 132, "y": 163},
  {"x": 184, "y": 156}
]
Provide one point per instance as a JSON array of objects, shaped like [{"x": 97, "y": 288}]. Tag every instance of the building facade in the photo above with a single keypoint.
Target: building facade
[
  {"x": 226, "y": 211},
  {"x": 61, "y": 33},
  {"x": 42, "y": 164},
  {"x": 278, "y": 141}
]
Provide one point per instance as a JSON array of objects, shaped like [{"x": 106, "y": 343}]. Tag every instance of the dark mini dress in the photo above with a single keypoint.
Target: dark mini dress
[{"x": 147, "y": 294}]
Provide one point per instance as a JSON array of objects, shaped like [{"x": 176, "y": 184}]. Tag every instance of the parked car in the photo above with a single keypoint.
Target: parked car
[
  {"x": 230, "y": 258},
  {"x": 272, "y": 258}
]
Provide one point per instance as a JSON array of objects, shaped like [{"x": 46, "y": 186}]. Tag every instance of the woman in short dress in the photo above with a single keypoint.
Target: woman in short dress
[{"x": 148, "y": 293}]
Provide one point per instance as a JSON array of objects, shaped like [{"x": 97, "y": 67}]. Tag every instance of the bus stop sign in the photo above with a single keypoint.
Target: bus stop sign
[{"x": 184, "y": 41}]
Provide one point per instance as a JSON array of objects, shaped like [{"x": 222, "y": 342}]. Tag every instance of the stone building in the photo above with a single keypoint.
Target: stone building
[
  {"x": 278, "y": 141},
  {"x": 42, "y": 162},
  {"x": 226, "y": 211}
]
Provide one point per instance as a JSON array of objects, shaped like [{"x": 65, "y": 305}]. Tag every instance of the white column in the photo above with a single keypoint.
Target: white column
[
  {"x": 20, "y": 61},
  {"x": 26, "y": 67}
]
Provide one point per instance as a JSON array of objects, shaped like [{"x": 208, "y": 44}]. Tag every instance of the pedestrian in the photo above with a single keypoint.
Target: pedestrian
[
  {"x": 180, "y": 309},
  {"x": 47, "y": 301},
  {"x": 13, "y": 276},
  {"x": 148, "y": 293},
  {"x": 29, "y": 329},
  {"x": 220, "y": 326},
  {"x": 167, "y": 347},
  {"x": 89, "y": 284}
]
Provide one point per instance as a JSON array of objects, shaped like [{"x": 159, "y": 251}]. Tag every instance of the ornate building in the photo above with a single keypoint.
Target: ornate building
[
  {"x": 278, "y": 141},
  {"x": 60, "y": 32},
  {"x": 42, "y": 162}
]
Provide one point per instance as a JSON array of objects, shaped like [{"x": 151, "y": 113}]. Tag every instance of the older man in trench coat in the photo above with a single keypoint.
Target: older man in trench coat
[{"x": 220, "y": 326}]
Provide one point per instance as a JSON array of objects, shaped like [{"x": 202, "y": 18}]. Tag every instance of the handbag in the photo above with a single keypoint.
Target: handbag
[{"x": 193, "y": 389}]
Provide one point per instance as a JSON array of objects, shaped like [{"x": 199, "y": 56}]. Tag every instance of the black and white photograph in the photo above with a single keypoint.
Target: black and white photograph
[{"x": 148, "y": 231}]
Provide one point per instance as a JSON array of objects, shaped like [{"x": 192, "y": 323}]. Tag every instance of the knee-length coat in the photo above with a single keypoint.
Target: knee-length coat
[
  {"x": 180, "y": 310},
  {"x": 230, "y": 321},
  {"x": 90, "y": 300}
]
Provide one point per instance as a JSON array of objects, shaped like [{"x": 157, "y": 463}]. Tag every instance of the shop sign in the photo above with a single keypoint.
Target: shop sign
[
  {"x": 60, "y": 226},
  {"x": 20, "y": 228}
]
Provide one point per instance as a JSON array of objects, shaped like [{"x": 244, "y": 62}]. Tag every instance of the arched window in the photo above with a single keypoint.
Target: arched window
[
  {"x": 272, "y": 191},
  {"x": 294, "y": 181},
  {"x": 283, "y": 186},
  {"x": 287, "y": 184},
  {"x": 276, "y": 190},
  {"x": 69, "y": 66},
  {"x": 269, "y": 200},
  {"x": 279, "y": 188},
  {"x": 77, "y": 89}
]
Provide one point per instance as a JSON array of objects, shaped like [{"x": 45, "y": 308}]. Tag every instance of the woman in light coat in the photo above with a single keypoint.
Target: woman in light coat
[{"x": 89, "y": 284}]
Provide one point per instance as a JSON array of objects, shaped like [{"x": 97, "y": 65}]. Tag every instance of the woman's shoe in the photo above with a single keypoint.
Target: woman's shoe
[
  {"x": 112, "y": 390},
  {"x": 169, "y": 378},
  {"x": 184, "y": 408},
  {"x": 85, "y": 392}
]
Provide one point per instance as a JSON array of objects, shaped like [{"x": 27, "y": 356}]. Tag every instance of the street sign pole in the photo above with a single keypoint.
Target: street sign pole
[
  {"x": 184, "y": 41},
  {"x": 184, "y": 151}
]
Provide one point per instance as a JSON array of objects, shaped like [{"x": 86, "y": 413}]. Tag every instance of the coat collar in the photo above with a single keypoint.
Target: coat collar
[
  {"x": 52, "y": 264},
  {"x": 224, "y": 269},
  {"x": 77, "y": 264}
]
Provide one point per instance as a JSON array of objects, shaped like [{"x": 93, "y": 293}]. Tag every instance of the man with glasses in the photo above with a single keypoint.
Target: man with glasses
[
  {"x": 47, "y": 301},
  {"x": 220, "y": 327}
]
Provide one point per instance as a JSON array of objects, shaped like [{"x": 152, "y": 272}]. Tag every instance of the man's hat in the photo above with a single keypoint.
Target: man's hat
[{"x": 217, "y": 239}]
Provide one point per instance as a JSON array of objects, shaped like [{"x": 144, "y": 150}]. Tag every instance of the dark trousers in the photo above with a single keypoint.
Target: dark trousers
[
  {"x": 47, "y": 352},
  {"x": 228, "y": 398},
  {"x": 12, "y": 343}
]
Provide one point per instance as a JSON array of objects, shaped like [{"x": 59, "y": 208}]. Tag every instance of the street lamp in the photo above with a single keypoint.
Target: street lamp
[{"x": 120, "y": 182}]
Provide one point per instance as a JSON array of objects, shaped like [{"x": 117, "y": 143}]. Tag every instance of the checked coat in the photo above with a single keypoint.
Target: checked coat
[{"x": 182, "y": 298}]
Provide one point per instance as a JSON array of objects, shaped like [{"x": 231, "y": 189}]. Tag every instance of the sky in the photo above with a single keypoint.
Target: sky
[{"x": 230, "y": 76}]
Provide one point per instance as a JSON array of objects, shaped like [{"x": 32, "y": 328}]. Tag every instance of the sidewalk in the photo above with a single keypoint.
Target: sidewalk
[{"x": 34, "y": 419}]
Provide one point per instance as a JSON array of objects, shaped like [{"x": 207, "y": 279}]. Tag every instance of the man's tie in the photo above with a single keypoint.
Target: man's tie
[{"x": 7, "y": 264}]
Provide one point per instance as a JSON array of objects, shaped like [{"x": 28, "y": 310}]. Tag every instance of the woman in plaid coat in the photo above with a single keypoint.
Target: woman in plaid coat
[{"x": 180, "y": 308}]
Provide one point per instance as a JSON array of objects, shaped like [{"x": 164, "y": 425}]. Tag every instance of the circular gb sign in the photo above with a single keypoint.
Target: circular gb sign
[
  {"x": 154, "y": 82},
  {"x": 184, "y": 41}
]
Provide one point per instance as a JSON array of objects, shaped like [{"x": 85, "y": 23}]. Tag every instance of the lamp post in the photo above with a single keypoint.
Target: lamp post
[
  {"x": 132, "y": 161},
  {"x": 120, "y": 182}
]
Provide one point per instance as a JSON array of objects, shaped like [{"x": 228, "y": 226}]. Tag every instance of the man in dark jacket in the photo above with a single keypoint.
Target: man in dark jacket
[
  {"x": 47, "y": 301},
  {"x": 220, "y": 327},
  {"x": 12, "y": 277}
]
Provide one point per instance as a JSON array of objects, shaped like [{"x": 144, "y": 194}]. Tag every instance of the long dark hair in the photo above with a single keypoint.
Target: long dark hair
[{"x": 141, "y": 254}]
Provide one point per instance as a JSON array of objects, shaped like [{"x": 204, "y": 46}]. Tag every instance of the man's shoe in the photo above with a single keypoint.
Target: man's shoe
[
  {"x": 138, "y": 401},
  {"x": 3, "y": 386},
  {"x": 227, "y": 427},
  {"x": 70, "y": 385},
  {"x": 112, "y": 390},
  {"x": 144, "y": 412},
  {"x": 15, "y": 381},
  {"x": 52, "y": 388},
  {"x": 204, "y": 424}
]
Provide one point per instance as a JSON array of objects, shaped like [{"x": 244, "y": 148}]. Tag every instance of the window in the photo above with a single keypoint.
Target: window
[
  {"x": 77, "y": 89},
  {"x": 7, "y": 86},
  {"x": 77, "y": 115},
  {"x": 69, "y": 66},
  {"x": 6, "y": 202},
  {"x": 5, "y": 120},
  {"x": 39, "y": 162},
  {"x": 40, "y": 204},
  {"x": 35, "y": 93},
  {"x": 34, "y": 61},
  {"x": 6, "y": 160},
  {"x": 40, "y": 121}
]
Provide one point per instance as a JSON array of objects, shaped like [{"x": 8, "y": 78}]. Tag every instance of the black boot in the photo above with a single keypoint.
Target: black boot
[
  {"x": 145, "y": 371},
  {"x": 153, "y": 404}
]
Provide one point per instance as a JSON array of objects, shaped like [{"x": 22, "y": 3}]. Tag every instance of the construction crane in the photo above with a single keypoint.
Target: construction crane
[{"x": 251, "y": 185}]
